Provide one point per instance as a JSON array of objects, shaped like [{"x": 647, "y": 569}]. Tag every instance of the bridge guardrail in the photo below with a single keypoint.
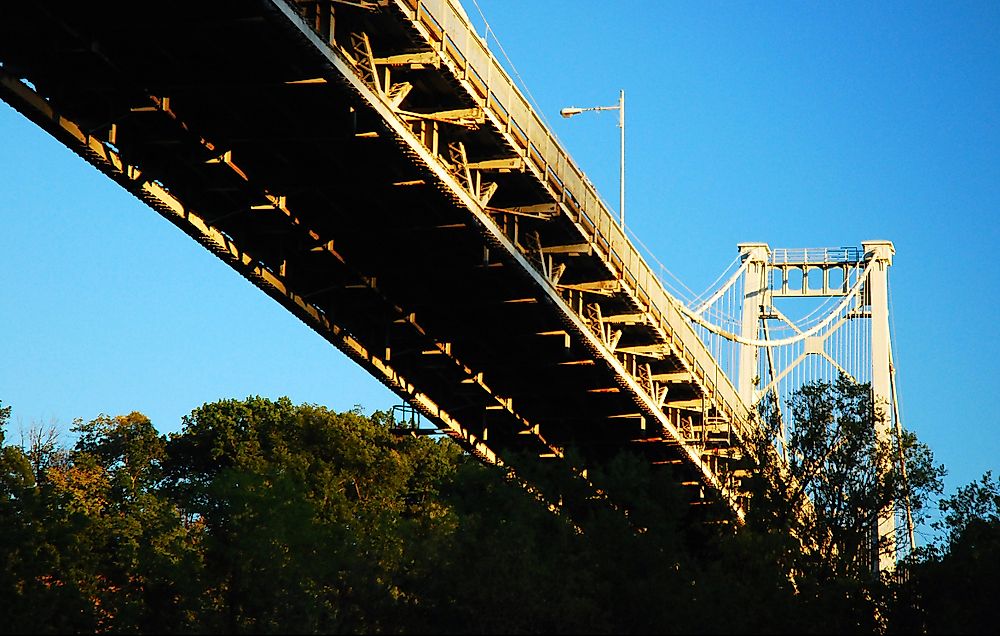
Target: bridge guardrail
[
  {"x": 496, "y": 93},
  {"x": 812, "y": 255}
]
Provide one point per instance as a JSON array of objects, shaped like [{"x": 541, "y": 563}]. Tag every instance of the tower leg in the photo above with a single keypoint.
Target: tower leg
[{"x": 878, "y": 297}]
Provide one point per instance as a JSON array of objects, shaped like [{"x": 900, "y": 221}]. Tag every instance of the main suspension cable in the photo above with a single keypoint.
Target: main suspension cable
[{"x": 755, "y": 342}]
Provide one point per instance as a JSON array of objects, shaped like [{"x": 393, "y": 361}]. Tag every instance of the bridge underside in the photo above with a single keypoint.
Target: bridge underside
[{"x": 230, "y": 121}]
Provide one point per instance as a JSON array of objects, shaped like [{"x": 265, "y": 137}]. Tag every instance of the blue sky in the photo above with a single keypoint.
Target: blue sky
[{"x": 799, "y": 124}]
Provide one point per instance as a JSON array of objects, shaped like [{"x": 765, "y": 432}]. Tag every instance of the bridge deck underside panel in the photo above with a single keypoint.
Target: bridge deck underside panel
[{"x": 220, "y": 103}]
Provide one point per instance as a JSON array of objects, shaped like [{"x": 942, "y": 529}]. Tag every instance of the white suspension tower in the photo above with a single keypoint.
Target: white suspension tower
[{"x": 762, "y": 269}]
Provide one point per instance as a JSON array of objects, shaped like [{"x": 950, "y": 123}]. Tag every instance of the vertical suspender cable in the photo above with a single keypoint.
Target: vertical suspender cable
[
  {"x": 899, "y": 428},
  {"x": 902, "y": 458}
]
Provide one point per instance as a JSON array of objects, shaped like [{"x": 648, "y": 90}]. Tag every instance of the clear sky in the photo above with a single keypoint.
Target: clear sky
[{"x": 798, "y": 124}]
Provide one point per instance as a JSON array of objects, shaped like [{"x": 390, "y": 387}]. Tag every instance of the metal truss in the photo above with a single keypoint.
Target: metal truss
[
  {"x": 438, "y": 99},
  {"x": 272, "y": 278},
  {"x": 704, "y": 427}
]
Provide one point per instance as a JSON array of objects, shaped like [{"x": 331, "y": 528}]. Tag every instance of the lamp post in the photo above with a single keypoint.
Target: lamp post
[{"x": 569, "y": 112}]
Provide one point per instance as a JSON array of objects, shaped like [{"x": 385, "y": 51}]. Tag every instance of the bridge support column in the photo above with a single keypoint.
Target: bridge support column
[
  {"x": 878, "y": 298},
  {"x": 755, "y": 256}
]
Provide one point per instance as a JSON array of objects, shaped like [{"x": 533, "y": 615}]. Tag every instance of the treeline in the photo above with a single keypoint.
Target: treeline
[{"x": 265, "y": 516}]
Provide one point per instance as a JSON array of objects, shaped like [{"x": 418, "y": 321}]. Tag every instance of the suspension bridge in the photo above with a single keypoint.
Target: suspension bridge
[{"x": 372, "y": 167}]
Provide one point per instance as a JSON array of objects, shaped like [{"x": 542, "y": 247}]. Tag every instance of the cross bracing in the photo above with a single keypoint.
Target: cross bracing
[{"x": 791, "y": 317}]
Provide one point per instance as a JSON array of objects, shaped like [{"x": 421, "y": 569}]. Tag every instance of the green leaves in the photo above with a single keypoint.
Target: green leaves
[
  {"x": 977, "y": 503},
  {"x": 265, "y": 516},
  {"x": 126, "y": 447},
  {"x": 953, "y": 587},
  {"x": 842, "y": 473}
]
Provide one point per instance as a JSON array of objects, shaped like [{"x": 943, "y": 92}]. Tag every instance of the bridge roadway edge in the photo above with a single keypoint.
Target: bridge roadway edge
[
  {"x": 487, "y": 225},
  {"x": 98, "y": 154},
  {"x": 604, "y": 234}
]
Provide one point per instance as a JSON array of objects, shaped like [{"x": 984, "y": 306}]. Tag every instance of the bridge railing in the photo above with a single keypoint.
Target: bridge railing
[
  {"x": 814, "y": 255},
  {"x": 497, "y": 94}
]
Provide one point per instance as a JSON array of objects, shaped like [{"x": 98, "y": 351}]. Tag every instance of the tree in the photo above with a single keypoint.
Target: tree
[
  {"x": 840, "y": 475},
  {"x": 953, "y": 585},
  {"x": 148, "y": 558},
  {"x": 33, "y": 536},
  {"x": 977, "y": 504},
  {"x": 40, "y": 444},
  {"x": 311, "y": 520},
  {"x": 265, "y": 516},
  {"x": 838, "y": 478}
]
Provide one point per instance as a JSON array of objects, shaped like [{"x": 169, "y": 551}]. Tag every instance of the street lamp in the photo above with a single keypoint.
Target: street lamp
[{"x": 569, "y": 112}]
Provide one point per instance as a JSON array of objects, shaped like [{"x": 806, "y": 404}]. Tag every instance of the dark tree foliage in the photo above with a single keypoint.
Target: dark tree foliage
[
  {"x": 821, "y": 510},
  {"x": 264, "y": 516},
  {"x": 840, "y": 475},
  {"x": 952, "y": 587}
]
